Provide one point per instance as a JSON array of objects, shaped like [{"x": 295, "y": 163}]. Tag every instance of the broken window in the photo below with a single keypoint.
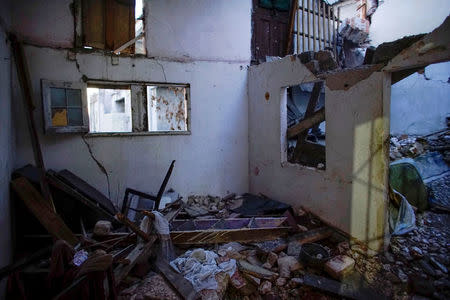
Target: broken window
[
  {"x": 167, "y": 108},
  {"x": 109, "y": 108},
  {"x": 305, "y": 111},
  {"x": 64, "y": 107},
  {"x": 114, "y": 25},
  {"x": 100, "y": 107}
]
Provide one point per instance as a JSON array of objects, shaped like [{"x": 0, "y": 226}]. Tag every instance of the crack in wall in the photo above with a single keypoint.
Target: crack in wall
[
  {"x": 162, "y": 68},
  {"x": 100, "y": 166}
]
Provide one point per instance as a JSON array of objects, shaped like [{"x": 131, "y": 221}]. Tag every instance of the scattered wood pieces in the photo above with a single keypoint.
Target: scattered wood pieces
[
  {"x": 125, "y": 221},
  {"x": 40, "y": 208},
  {"x": 141, "y": 250},
  {"x": 313, "y": 235},
  {"x": 256, "y": 271}
]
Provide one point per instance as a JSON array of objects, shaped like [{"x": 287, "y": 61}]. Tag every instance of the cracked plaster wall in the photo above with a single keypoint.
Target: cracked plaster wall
[
  {"x": 212, "y": 160},
  {"x": 419, "y": 103},
  {"x": 351, "y": 193}
]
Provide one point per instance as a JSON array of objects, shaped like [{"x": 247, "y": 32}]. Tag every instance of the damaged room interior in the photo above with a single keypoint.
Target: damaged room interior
[{"x": 226, "y": 149}]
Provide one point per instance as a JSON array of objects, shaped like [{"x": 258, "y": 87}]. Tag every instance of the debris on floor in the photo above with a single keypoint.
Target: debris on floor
[{"x": 233, "y": 247}]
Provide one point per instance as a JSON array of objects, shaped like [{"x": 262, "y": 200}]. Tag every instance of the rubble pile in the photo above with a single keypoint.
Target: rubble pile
[
  {"x": 416, "y": 263},
  {"x": 412, "y": 146},
  {"x": 234, "y": 247}
]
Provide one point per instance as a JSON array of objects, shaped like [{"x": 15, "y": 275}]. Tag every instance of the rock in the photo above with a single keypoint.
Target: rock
[
  {"x": 286, "y": 265},
  {"x": 416, "y": 252},
  {"x": 426, "y": 268},
  {"x": 272, "y": 258},
  {"x": 294, "y": 248},
  {"x": 339, "y": 266},
  {"x": 389, "y": 257},
  {"x": 295, "y": 282},
  {"x": 281, "y": 281},
  {"x": 265, "y": 287},
  {"x": 420, "y": 286},
  {"x": 302, "y": 228},
  {"x": 326, "y": 60},
  {"x": 438, "y": 265},
  {"x": 402, "y": 276},
  {"x": 102, "y": 228}
]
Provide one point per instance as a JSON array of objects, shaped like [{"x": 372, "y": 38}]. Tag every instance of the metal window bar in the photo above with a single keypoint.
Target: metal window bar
[{"x": 321, "y": 28}]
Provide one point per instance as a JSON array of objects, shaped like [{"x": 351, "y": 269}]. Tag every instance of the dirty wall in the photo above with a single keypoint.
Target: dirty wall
[{"x": 210, "y": 54}]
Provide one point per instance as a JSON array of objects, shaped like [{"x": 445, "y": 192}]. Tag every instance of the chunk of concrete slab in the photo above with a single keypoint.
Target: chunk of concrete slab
[{"x": 340, "y": 266}]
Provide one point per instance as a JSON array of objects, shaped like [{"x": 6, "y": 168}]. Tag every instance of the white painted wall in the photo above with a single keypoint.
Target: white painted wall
[
  {"x": 199, "y": 29},
  {"x": 45, "y": 23},
  {"x": 214, "y": 158},
  {"x": 419, "y": 103},
  {"x": 6, "y": 140},
  {"x": 351, "y": 192}
]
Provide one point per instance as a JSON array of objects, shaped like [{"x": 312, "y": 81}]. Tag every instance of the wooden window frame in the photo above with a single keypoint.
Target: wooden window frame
[
  {"x": 46, "y": 85},
  {"x": 139, "y": 113},
  {"x": 108, "y": 42}
]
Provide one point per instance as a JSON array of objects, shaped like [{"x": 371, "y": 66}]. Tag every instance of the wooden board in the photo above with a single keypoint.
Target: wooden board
[
  {"x": 176, "y": 280},
  {"x": 224, "y": 236},
  {"x": 42, "y": 211},
  {"x": 86, "y": 190},
  {"x": 93, "y": 22},
  {"x": 59, "y": 184},
  {"x": 141, "y": 250}
]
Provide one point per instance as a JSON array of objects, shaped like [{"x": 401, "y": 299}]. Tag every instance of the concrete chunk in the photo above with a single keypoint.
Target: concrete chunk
[{"x": 339, "y": 266}]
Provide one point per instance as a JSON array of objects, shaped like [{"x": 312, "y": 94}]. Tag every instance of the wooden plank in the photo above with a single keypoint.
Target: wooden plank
[
  {"x": 42, "y": 211},
  {"x": 312, "y": 103},
  {"x": 25, "y": 83},
  {"x": 140, "y": 251},
  {"x": 176, "y": 280},
  {"x": 59, "y": 184},
  {"x": 290, "y": 33},
  {"x": 313, "y": 235},
  {"x": 119, "y": 24},
  {"x": 93, "y": 23},
  {"x": 125, "y": 221},
  {"x": 86, "y": 190},
  {"x": 245, "y": 235},
  {"x": 315, "y": 119}
]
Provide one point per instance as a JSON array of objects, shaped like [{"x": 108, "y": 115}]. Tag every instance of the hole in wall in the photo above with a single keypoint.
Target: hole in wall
[{"x": 305, "y": 123}]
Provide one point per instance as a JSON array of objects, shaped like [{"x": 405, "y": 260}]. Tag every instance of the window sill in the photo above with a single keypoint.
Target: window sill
[{"x": 128, "y": 134}]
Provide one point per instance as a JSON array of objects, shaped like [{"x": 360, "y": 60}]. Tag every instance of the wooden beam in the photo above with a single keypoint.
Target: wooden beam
[
  {"x": 125, "y": 221},
  {"x": 314, "y": 98},
  {"x": 290, "y": 36},
  {"x": 27, "y": 93},
  {"x": 140, "y": 251},
  {"x": 177, "y": 281},
  {"x": 42, "y": 211},
  {"x": 244, "y": 235},
  {"x": 317, "y": 118},
  {"x": 313, "y": 235}
]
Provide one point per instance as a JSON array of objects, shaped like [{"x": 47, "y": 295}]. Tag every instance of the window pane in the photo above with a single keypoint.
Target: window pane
[
  {"x": 75, "y": 116},
  {"x": 59, "y": 117},
  {"x": 73, "y": 97},
  {"x": 58, "y": 97},
  {"x": 109, "y": 109},
  {"x": 167, "y": 108}
]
